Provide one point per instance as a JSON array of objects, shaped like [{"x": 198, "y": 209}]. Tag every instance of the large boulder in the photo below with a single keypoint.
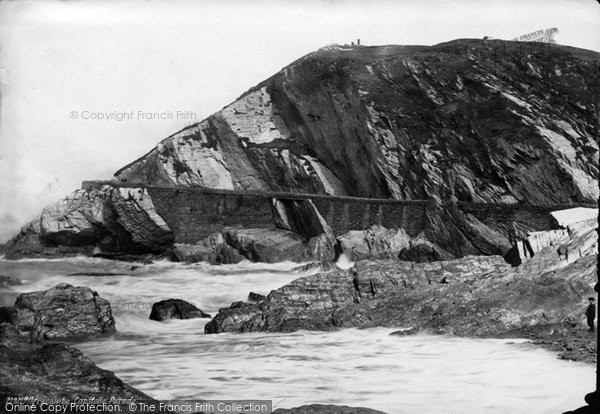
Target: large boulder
[
  {"x": 268, "y": 245},
  {"x": 7, "y": 281},
  {"x": 374, "y": 243},
  {"x": 213, "y": 250},
  {"x": 62, "y": 312},
  {"x": 175, "y": 309}
]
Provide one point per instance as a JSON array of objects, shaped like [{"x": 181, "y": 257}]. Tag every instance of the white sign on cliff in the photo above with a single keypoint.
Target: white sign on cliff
[{"x": 541, "y": 35}]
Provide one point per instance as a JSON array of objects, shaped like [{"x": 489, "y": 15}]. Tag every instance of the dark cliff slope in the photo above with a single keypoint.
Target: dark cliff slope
[{"x": 483, "y": 121}]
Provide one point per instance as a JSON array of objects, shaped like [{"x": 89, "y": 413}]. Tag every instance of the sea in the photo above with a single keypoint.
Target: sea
[{"x": 175, "y": 360}]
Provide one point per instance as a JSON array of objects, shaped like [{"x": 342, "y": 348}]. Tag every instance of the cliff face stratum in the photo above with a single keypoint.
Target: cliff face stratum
[
  {"x": 468, "y": 120},
  {"x": 483, "y": 121}
]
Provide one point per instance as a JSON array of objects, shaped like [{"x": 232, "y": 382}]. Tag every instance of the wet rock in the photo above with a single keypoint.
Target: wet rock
[
  {"x": 213, "y": 250},
  {"x": 239, "y": 304},
  {"x": 8, "y": 314},
  {"x": 314, "y": 267},
  {"x": 55, "y": 371},
  {"x": 145, "y": 259},
  {"x": 8, "y": 281},
  {"x": 255, "y": 297},
  {"x": 175, "y": 309},
  {"x": 268, "y": 245},
  {"x": 63, "y": 312},
  {"x": 422, "y": 253},
  {"x": 326, "y": 409},
  {"x": 468, "y": 296},
  {"x": 405, "y": 332}
]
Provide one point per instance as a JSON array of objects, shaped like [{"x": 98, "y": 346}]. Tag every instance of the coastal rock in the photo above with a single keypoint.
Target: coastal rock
[
  {"x": 63, "y": 312},
  {"x": 403, "y": 122},
  {"x": 375, "y": 243},
  {"x": 268, "y": 245},
  {"x": 423, "y": 252},
  {"x": 404, "y": 332},
  {"x": 461, "y": 234},
  {"x": 468, "y": 296},
  {"x": 55, "y": 371},
  {"x": 255, "y": 297},
  {"x": 316, "y": 267},
  {"x": 104, "y": 220},
  {"x": 302, "y": 217},
  {"x": 392, "y": 122},
  {"x": 8, "y": 281},
  {"x": 144, "y": 230},
  {"x": 175, "y": 309},
  {"x": 213, "y": 250}
]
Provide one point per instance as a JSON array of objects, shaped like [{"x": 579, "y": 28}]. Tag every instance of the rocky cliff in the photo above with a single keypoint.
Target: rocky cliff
[
  {"x": 484, "y": 121},
  {"x": 466, "y": 121},
  {"x": 476, "y": 295}
]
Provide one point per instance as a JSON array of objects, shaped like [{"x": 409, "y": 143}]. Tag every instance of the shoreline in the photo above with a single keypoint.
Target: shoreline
[{"x": 570, "y": 342}]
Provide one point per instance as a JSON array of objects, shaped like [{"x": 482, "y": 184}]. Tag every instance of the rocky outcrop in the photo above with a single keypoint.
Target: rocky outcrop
[
  {"x": 461, "y": 234},
  {"x": 107, "y": 220},
  {"x": 175, "y": 309},
  {"x": 483, "y": 121},
  {"x": 422, "y": 252},
  {"x": 255, "y": 297},
  {"x": 56, "y": 371},
  {"x": 268, "y": 245},
  {"x": 8, "y": 281},
  {"x": 375, "y": 243},
  {"x": 469, "y": 296},
  {"x": 460, "y": 122},
  {"x": 448, "y": 233},
  {"x": 214, "y": 250},
  {"x": 302, "y": 217},
  {"x": 62, "y": 312}
]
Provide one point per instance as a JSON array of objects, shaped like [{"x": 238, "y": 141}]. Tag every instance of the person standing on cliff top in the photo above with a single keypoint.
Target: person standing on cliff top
[{"x": 590, "y": 313}]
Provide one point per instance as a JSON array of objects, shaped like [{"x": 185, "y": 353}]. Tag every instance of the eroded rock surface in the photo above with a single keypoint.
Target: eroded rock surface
[
  {"x": 482, "y": 121},
  {"x": 214, "y": 250},
  {"x": 268, "y": 245},
  {"x": 62, "y": 312},
  {"x": 469, "y": 296},
  {"x": 106, "y": 220},
  {"x": 175, "y": 309},
  {"x": 55, "y": 371}
]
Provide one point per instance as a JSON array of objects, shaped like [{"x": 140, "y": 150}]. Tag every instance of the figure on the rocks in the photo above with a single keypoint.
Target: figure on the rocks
[
  {"x": 563, "y": 251},
  {"x": 590, "y": 313}
]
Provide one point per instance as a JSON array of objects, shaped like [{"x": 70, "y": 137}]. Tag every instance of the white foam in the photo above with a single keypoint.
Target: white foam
[{"x": 344, "y": 262}]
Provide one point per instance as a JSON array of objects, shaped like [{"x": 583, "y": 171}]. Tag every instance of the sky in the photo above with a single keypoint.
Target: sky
[{"x": 64, "y": 65}]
